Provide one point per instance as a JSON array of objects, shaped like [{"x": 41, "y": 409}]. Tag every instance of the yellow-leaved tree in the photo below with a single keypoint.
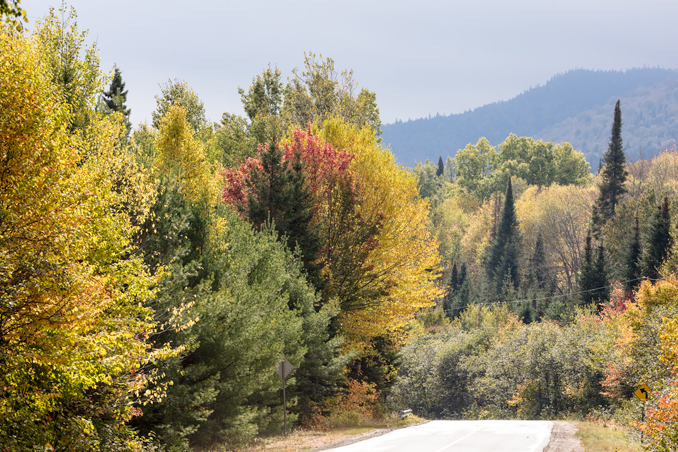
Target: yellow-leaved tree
[
  {"x": 183, "y": 157},
  {"x": 561, "y": 213},
  {"x": 73, "y": 327},
  {"x": 404, "y": 263}
]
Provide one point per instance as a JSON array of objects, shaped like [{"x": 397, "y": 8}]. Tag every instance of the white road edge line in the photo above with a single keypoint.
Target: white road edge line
[
  {"x": 460, "y": 439},
  {"x": 542, "y": 437}
]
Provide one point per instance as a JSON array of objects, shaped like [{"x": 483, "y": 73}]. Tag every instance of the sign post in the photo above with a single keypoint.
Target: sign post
[
  {"x": 643, "y": 393},
  {"x": 284, "y": 369}
]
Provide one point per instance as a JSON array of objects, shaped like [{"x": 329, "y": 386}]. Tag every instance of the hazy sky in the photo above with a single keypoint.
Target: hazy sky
[{"x": 420, "y": 58}]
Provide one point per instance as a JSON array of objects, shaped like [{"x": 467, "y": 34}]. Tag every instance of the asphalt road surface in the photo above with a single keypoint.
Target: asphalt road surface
[{"x": 460, "y": 436}]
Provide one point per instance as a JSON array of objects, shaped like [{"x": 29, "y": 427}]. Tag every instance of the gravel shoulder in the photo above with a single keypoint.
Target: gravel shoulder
[{"x": 563, "y": 438}]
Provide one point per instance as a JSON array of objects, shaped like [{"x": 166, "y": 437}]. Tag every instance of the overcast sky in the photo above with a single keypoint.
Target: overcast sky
[{"x": 420, "y": 58}]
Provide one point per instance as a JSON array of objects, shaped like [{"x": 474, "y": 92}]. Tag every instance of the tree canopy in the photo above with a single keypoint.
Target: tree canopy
[{"x": 73, "y": 326}]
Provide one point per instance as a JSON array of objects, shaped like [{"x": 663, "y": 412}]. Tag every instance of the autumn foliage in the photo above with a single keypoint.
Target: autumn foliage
[
  {"x": 324, "y": 167},
  {"x": 377, "y": 255},
  {"x": 73, "y": 329},
  {"x": 357, "y": 405}
]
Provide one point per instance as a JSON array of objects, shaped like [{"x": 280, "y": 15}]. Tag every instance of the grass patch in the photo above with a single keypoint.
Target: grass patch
[{"x": 599, "y": 438}]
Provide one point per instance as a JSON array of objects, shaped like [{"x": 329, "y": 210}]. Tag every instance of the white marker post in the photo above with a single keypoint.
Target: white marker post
[{"x": 284, "y": 369}]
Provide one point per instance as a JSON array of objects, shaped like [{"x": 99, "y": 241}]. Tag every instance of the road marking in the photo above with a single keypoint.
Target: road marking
[
  {"x": 460, "y": 439},
  {"x": 541, "y": 438}
]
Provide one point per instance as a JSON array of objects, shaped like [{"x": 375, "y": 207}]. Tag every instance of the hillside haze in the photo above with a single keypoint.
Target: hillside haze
[{"x": 569, "y": 107}]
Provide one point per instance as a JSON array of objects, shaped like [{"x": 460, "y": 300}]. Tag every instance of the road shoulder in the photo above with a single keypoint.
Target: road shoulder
[{"x": 563, "y": 438}]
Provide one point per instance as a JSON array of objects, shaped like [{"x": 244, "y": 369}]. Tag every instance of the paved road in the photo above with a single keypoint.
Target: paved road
[{"x": 460, "y": 436}]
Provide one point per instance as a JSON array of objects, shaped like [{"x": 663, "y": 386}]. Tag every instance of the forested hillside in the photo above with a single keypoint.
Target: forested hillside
[
  {"x": 539, "y": 111},
  {"x": 650, "y": 124},
  {"x": 153, "y": 277}
]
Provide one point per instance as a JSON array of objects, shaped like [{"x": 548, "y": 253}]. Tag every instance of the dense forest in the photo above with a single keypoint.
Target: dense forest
[
  {"x": 152, "y": 277},
  {"x": 569, "y": 107}
]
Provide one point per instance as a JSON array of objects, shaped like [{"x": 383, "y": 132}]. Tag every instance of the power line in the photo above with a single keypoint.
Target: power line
[{"x": 572, "y": 294}]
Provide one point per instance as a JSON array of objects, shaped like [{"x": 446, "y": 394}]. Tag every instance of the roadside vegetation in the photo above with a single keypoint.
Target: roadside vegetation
[{"x": 597, "y": 437}]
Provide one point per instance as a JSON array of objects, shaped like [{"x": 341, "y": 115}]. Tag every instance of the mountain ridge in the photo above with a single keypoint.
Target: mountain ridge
[{"x": 534, "y": 111}]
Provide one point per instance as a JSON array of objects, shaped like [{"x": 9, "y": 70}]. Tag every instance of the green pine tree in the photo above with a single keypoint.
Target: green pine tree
[
  {"x": 539, "y": 264},
  {"x": 658, "y": 241},
  {"x": 526, "y": 312},
  {"x": 587, "y": 280},
  {"x": 453, "y": 288},
  {"x": 115, "y": 98},
  {"x": 441, "y": 167},
  {"x": 278, "y": 196},
  {"x": 502, "y": 261},
  {"x": 454, "y": 278},
  {"x": 602, "y": 292},
  {"x": 614, "y": 175},
  {"x": 460, "y": 297},
  {"x": 633, "y": 260}
]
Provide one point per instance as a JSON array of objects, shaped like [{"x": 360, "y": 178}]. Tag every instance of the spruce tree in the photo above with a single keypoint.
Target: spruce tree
[
  {"x": 502, "y": 263},
  {"x": 526, "y": 312},
  {"x": 461, "y": 296},
  {"x": 587, "y": 280},
  {"x": 539, "y": 264},
  {"x": 278, "y": 196},
  {"x": 632, "y": 260},
  {"x": 614, "y": 175},
  {"x": 453, "y": 288},
  {"x": 602, "y": 294},
  {"x": 116, "y": 96},
  {"x": 658, "y": 240},
  {"x": 454, "y": 279},
  {"x": 593, "y": 278},
  {"x": 441, "y": 167}
]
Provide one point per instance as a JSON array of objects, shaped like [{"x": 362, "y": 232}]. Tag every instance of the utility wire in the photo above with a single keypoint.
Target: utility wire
[{"x": 555, "y": 296}]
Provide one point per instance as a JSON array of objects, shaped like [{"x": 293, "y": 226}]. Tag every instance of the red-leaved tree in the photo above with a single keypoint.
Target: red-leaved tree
[{"x": 347, "y": 236}]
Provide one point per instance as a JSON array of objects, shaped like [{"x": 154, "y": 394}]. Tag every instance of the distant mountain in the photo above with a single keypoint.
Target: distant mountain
[
  {"x": 554, "y": 112},
  {"x": 650, "y": 124}
]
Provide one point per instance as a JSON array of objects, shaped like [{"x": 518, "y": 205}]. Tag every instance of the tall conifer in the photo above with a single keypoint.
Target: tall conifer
[
  {"x": 463, "y": 294},
  {"x": 278, "y": 195},
  {"x": 602, "y": 292},
  {"x": 586, "y": 277},
  {"x": 462, "y": 274},
  {"x": 441, "y": 167},
  {"x": 614, "y": 175},
  {"x": 633, "y": 262},
  {"x": 454, "y": 279},
  {"x": 116, "y": 97},
  {"x": 658, "y": 240},
  {"x": 502, "y": 262},
  {"x": 593, "y": 278},
  {"x": 539, "y": 265},
  {"x": 452, "y": 289}
]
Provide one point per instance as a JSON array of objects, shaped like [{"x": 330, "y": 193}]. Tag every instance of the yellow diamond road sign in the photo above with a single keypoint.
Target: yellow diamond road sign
[{"x": 643, "y": 392}]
